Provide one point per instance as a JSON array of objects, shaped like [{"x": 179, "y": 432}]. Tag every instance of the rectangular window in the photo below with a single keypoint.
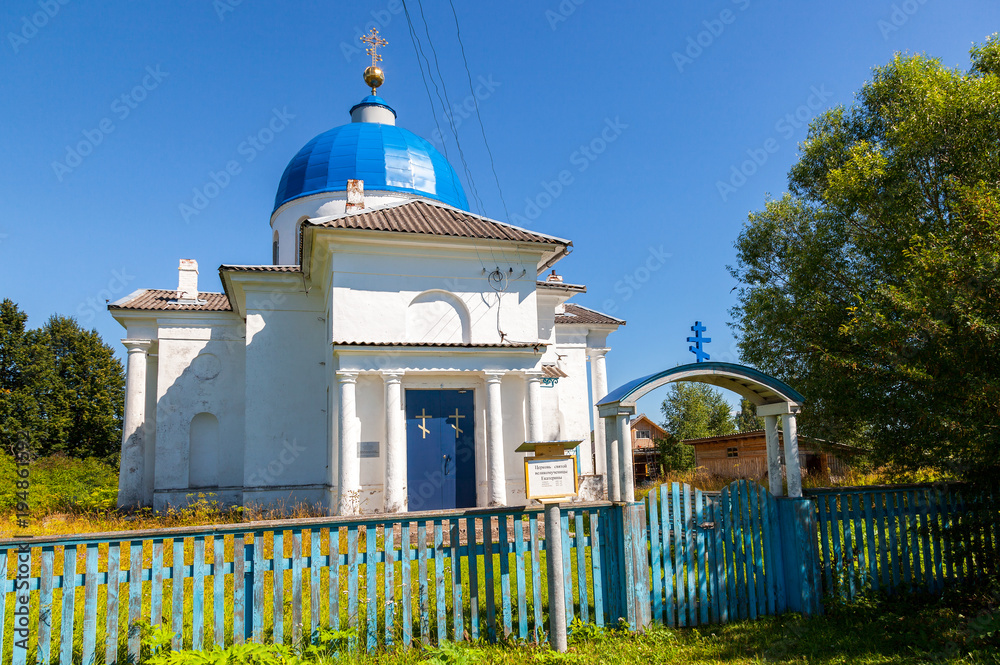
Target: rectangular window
[
  {"x": 642, "y": 434},
  {"x": 732, "y": 452}
]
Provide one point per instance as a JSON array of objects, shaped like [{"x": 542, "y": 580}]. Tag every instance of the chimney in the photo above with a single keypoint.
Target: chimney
[
  {"x": 355, "y": 195},
  {"x": 553, "y": 277},
  {"x": 187, "y": 281}
]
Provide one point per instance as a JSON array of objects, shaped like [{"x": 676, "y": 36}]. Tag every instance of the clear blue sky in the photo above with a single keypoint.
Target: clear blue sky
[{"x": 77, "y": 229}]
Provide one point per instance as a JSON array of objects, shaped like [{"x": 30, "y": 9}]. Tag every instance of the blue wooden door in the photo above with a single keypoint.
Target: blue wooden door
[{"x": 440, "y": 447}]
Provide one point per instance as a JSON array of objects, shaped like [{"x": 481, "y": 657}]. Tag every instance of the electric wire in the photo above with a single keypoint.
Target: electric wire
[
  {"x": 454, "y": 129},
  {"x": 420, "y": 65},
  {"x": 446, "y": 103},
  {"x": 482, "y": 128}
]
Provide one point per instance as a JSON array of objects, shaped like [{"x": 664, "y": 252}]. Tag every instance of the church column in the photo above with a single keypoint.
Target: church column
[
  {"x": 598, "y": 389},
  {"x": 394, "y": 491},
  {"x": 535, "y": 431},
  {"x": 349, "y": 487},
  {"x": 131, "y": 476},
  {"x": 793, "y": 470},
  {"x": 496, "y": 473}
]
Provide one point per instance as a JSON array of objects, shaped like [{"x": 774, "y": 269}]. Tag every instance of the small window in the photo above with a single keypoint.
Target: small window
[
  {"x": 732, "y": 452},
  {"x": 642, "y": 434},
  {"x": 274, "y": 249}
]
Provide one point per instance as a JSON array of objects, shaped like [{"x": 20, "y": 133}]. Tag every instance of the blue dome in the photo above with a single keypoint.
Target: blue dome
[{"x": 385, "y": 157}]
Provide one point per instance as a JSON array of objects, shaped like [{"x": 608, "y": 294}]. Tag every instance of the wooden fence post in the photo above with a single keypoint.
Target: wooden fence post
[{"x": 800, "y": 555}]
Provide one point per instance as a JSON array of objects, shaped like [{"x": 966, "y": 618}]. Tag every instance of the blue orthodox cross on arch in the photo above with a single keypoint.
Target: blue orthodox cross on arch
[{"x": 698, "y": 340}]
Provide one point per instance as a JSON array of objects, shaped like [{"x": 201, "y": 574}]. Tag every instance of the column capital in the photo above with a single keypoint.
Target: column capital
[
  {"x": 392, "y": 375},
  {"x": 597, "y": 352},
  {"x": 347, "y": 376},
  {"x": 136, "y": 345},
  {"x": 494, "y": 376},
  {"x": 534, "y": 375}
]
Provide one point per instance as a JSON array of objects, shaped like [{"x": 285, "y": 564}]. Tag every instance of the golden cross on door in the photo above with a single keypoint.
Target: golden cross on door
[
  {"x": 456, "y": 416},
  {"x": 423, "y": 422},
  {"x": 374, "y": 41}
]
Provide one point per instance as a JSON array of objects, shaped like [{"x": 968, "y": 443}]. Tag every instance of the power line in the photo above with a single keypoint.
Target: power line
[
  {"x": 479, "y": 117},
  {"x": 420, "y": 50},
  {"x": 446, "y": 103}
]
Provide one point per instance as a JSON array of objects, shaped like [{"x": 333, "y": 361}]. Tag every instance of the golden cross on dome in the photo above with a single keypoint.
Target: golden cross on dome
[{"x": 374, "y": 41}]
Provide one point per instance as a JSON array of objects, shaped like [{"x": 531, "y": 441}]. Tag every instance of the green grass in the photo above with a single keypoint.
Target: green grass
[{"x": 959, "y": 628}]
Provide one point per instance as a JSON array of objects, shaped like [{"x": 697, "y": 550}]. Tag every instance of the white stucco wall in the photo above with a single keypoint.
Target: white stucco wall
[
  {"x": 285, "y": 458},
  {"x": 373, "y": 286},
  {"x": 199, "y": 370}
]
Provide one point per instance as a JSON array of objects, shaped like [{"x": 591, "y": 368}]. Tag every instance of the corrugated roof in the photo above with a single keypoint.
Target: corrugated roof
[
  {"x": 426, "y": 218},
  {"x": 265, "y": 268},
  {"x": 166, "y": 300},
  {"x": 511, "y": 345},
  {"x": 579, "y": 314},
  {"x": 561, "y": 286}
]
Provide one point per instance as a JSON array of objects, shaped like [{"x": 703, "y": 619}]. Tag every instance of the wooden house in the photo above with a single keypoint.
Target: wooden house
[
  {"x": 645, "y": 434},
  {"x": 744, "y": 455}
]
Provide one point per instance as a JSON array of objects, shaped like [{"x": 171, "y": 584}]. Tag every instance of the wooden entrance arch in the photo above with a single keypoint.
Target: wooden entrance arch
[{"x": 772, "y": 398}]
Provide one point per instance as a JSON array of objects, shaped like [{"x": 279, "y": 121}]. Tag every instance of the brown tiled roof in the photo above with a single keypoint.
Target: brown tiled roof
[
  {"x": 428, "y": 219},
  {"x": 553, "y": 372},
  {"x": 510, "y": 345},
  {"x": 561, "y": 286},
  {"x": 295, "y": 268},
  {"x": 578, "y": 314},
  {"x": 166, "y": 300}
]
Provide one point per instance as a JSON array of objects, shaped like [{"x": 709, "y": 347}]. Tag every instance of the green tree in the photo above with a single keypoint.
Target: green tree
[
  {"x": 747, "y": 419},
  {"x": 25, "y": 377},
  {"x": 691, "y": 411},
  {"x": 85, "y": 407},
  {"x": 61, "y": 388},
  {"x": 695, "y": 410},
  {"x": 873, "y": 285}
]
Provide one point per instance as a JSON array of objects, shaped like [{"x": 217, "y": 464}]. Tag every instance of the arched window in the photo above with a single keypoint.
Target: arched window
[
  {"x": 439, "y": 317},
  {"x": 298, "y": 239},
  {"x": 274, "y": 249},
  {"x": 203, "y": 457}
]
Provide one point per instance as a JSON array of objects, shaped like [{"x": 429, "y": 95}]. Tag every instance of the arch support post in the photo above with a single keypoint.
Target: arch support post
[
  {"x": 618, "y": 449},
  {"x": 774, "y": 474},
  {"x": 793, "y": 467}
]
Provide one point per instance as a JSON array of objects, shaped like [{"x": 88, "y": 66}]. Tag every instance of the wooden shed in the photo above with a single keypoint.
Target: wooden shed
[{"x": 744, "y": 455}]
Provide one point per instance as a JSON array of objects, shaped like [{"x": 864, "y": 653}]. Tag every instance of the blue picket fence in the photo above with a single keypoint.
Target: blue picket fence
[
  {"x": 722, "y": 556},
  {"x": 681, "y": 557},
  {"x": 428, "y": 577},
  {"x": 903, "y": 537}
]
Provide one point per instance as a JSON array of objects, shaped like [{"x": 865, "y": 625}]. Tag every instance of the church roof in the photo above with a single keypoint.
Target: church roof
[
  {"x": 429, "y": 218},
  {"x": 464, "y": 345},
  {"x": 386, "y": 157},
  {"x": 260, "y": 268},
  {"x": 166, "y": 300},
  {"x": 574, "y": 313},
  {"x": 561, "y": 286}
]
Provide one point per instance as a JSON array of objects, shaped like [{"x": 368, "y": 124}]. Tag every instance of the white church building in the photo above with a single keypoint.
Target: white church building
[{"x": 391, "y": 358}]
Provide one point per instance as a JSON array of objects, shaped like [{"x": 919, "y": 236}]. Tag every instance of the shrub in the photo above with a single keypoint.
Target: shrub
[{"x": 61, "y": 483}]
